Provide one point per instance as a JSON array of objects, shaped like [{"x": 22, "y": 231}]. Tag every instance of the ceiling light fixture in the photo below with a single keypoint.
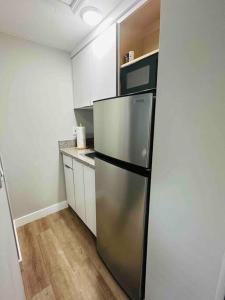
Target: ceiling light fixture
[{"x": 91, "y": 15}]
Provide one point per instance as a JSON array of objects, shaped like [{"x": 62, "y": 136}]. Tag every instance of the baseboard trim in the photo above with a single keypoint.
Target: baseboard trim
[{"x": 40, "y": 214}]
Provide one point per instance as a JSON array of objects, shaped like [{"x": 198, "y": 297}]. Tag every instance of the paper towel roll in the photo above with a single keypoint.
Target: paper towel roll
[{"x": 81, "y": 137}]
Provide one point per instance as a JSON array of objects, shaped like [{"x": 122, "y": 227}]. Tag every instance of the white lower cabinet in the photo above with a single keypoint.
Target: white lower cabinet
[
  {"x": 78, "y": 172},
  {"x": 69, "y": 186},
  {"x": 68, "y": 171},
  {"x": 90, "y": 201},
  {"x": 80, "y": 190}
]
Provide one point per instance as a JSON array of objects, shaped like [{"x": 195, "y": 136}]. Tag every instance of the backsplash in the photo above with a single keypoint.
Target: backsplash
[
  {"x": 72, "y": 143},
  {"x": 85, "y": 118},
  {"x": 67, "y": 144}
]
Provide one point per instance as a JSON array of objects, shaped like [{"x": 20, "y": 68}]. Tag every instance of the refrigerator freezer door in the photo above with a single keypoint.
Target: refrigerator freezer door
[
  {"x": 122, "y": 128},
  {"x": 121, "y": 207}
]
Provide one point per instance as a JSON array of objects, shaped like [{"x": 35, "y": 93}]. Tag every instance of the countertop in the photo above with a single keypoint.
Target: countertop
[{"x": 80, "y": 155}]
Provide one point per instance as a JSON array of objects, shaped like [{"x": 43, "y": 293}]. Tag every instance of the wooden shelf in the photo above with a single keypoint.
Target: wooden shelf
[
  {"x": 139, "y": 58},
  {"x": 140, "y": 31}
]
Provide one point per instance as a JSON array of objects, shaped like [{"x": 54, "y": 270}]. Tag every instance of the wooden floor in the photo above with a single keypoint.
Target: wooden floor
[{"x": 60, "y": 261}]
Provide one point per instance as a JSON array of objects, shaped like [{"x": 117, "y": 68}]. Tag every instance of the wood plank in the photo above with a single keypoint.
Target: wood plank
[
  {"x": 60, "y": 261},
  {"x": 89, "y": 243},
  {"x": 62, "y": 277},
  {"x": 33, "y": 270},
  {"x": 45, "y": 294}
]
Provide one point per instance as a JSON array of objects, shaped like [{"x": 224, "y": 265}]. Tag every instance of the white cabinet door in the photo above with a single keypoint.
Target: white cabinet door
[
  {"x": 11, "y": 286},
  {"x": 82, "y": 77},
  {"x": 79, "y": 189},
  {"x": 90, "y": 200},
  {"x": 68, "y": 171},
  {"x": 104, "y": 74},
  {"x": 95, "y": 69}
]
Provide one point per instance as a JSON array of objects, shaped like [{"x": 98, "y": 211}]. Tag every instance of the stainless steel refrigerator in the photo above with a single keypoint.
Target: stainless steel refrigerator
[{"x": 123, "y": 132}]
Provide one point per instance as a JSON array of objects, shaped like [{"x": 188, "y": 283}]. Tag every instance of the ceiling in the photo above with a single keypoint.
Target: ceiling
[{"x": 49, "y": 22}]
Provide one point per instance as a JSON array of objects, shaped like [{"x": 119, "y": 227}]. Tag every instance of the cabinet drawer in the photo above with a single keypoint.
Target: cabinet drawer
[{"x": 68, "y": 161}]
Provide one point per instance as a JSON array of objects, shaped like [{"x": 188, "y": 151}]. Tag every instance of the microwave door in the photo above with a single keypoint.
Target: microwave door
[{"x": 139, "y": 76}]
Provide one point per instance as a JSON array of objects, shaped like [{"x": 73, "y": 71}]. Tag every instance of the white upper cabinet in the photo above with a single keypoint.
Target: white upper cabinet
[
  {"x": 104, "y": 55},
  {"x": 94, "y": 69},
  {"x": 82, "y": 77}
]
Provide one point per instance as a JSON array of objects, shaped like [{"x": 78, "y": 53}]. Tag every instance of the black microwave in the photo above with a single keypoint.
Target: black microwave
[{"x": 139, "y": 76}]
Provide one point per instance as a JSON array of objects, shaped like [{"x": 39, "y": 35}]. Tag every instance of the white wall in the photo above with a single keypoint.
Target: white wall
[
  {"x": 187, "y": 202},
  {"x": 36, "y": 104}
]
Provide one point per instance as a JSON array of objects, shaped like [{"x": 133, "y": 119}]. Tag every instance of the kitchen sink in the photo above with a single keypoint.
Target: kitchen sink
[{"x": 90, "y": 155}]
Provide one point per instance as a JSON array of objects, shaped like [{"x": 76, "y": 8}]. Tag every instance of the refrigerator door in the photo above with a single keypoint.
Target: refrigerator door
[
  {"x": 123, "y": 126},
  {"x": 121, "y": 215}
]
